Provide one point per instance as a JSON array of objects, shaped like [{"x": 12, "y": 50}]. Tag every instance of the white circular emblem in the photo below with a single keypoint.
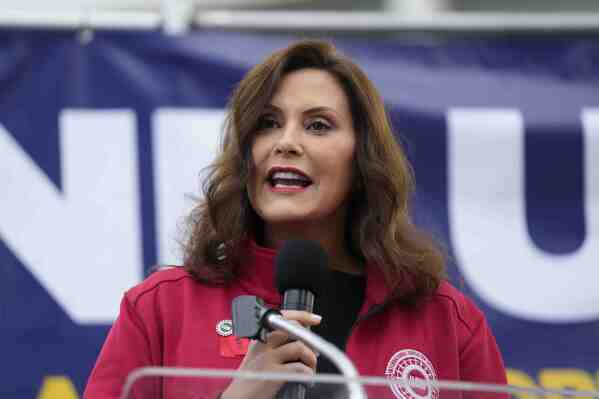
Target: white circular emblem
[
  {"x": 224, "y": 328},
  {"x": 411, "y": 365}
]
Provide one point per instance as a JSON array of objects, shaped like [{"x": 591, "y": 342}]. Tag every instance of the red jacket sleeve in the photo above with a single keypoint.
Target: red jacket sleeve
[
  {"x": 480, "y": 360},
  {"x": 125, "y": 349}
]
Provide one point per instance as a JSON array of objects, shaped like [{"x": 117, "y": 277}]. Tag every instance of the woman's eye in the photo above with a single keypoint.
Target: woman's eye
[
  {"x": 267, "y": 122},
  {"x": 319, "y": 126}
]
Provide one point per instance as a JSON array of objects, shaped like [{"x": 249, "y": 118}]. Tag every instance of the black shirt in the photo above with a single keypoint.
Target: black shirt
[{"x": 339, "y": 310}]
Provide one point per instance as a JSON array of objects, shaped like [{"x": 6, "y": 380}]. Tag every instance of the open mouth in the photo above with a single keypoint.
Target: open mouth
[{"x": 288, "y": 178}]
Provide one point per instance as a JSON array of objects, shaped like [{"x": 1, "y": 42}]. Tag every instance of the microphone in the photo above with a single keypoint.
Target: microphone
[{"x": 301, "y": 268}]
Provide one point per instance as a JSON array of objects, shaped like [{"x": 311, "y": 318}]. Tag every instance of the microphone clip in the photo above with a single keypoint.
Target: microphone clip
[{"x": 249, "y": 317}]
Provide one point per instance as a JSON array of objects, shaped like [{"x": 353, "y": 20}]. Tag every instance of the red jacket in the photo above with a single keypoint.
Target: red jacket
[{"x": 170, "y": 319}]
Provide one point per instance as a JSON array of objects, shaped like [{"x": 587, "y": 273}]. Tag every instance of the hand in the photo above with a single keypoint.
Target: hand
[{"x": 278, "y": 355}]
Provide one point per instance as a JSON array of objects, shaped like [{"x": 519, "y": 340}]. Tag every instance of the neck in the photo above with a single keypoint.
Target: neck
[{"x": 331, "y": 238}]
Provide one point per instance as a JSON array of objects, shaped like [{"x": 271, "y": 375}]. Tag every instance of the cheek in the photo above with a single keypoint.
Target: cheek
[
  {"x": 260, "y": 151},
  {"x": 252, "y": 184},
  {"x": 339, "y": 171}
]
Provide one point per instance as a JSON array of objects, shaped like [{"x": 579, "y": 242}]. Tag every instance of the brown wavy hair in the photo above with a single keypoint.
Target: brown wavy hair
[{"x": 381, "y": 230}]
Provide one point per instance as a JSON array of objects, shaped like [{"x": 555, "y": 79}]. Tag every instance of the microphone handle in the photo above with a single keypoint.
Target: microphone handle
[{"x": 296, "y": 299}]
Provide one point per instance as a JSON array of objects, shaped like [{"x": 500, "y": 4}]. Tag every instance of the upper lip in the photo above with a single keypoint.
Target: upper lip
[{"x": 291, "y": 169}]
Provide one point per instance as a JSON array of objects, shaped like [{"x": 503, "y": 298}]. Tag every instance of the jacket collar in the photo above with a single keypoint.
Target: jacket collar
[{"x": 258, "y": 277}]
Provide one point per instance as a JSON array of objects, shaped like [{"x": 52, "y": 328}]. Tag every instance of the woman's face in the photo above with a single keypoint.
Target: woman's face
[{"x": 303, "y": 152}]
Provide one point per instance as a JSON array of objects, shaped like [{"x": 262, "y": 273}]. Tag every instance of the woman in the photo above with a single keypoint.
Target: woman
[{"x": 308, "y": 152}]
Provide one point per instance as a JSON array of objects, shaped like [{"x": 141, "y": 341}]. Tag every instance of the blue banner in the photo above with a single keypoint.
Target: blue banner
[{"x": 102, "y": 140}]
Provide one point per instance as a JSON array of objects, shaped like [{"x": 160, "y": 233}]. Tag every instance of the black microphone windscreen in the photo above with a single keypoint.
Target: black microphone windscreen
[{"x": 301, "y": 264}]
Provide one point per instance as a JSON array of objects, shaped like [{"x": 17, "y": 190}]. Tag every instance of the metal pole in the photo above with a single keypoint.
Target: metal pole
[
  {"x": 418, "y": 7},
  {"x": 376, "y": 21},
  {"x": 83, "y": 18},
  {"x": 339, "y": 359},
  {"x": 308, "y": 20}
]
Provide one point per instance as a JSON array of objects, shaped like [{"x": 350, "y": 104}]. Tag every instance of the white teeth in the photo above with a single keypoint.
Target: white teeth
[{"x": 289, "y": 175}]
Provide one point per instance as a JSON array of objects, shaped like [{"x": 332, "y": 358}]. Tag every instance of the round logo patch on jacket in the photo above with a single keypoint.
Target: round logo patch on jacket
[{"x": 411, "y": 365}]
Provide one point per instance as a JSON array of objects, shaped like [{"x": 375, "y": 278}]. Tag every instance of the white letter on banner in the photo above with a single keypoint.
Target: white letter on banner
[
  {"x": 185, "y": 141},
  {"x": 488, "y": 221},
  {"x": 82, "y": 244}
]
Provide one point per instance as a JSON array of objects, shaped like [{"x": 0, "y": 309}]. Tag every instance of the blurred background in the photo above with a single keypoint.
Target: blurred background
[{"x": 109, "y": 110}]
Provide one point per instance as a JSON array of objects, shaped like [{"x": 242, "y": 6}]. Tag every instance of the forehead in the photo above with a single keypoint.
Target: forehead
[{"x": 310, "y": 87}]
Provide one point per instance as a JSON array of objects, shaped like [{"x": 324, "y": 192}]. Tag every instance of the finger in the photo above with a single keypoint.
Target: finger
[
  {"x": 303, "y": 317},
  {"x": 296, "y": 367},
  {"x": 273, "y": 340},
  {"x": 293, "y": 352},
  {"x": 276, "y": 338}
]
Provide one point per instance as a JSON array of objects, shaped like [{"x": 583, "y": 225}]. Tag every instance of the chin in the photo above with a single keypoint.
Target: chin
[{"x": 287, "y": 217}]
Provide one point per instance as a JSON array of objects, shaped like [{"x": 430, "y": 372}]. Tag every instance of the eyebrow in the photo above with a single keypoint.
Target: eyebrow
[{"x": 312, "y": 110}]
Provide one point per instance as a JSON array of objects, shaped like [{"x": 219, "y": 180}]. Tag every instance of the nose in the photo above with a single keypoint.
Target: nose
[{"x": 289, "y": 141}]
